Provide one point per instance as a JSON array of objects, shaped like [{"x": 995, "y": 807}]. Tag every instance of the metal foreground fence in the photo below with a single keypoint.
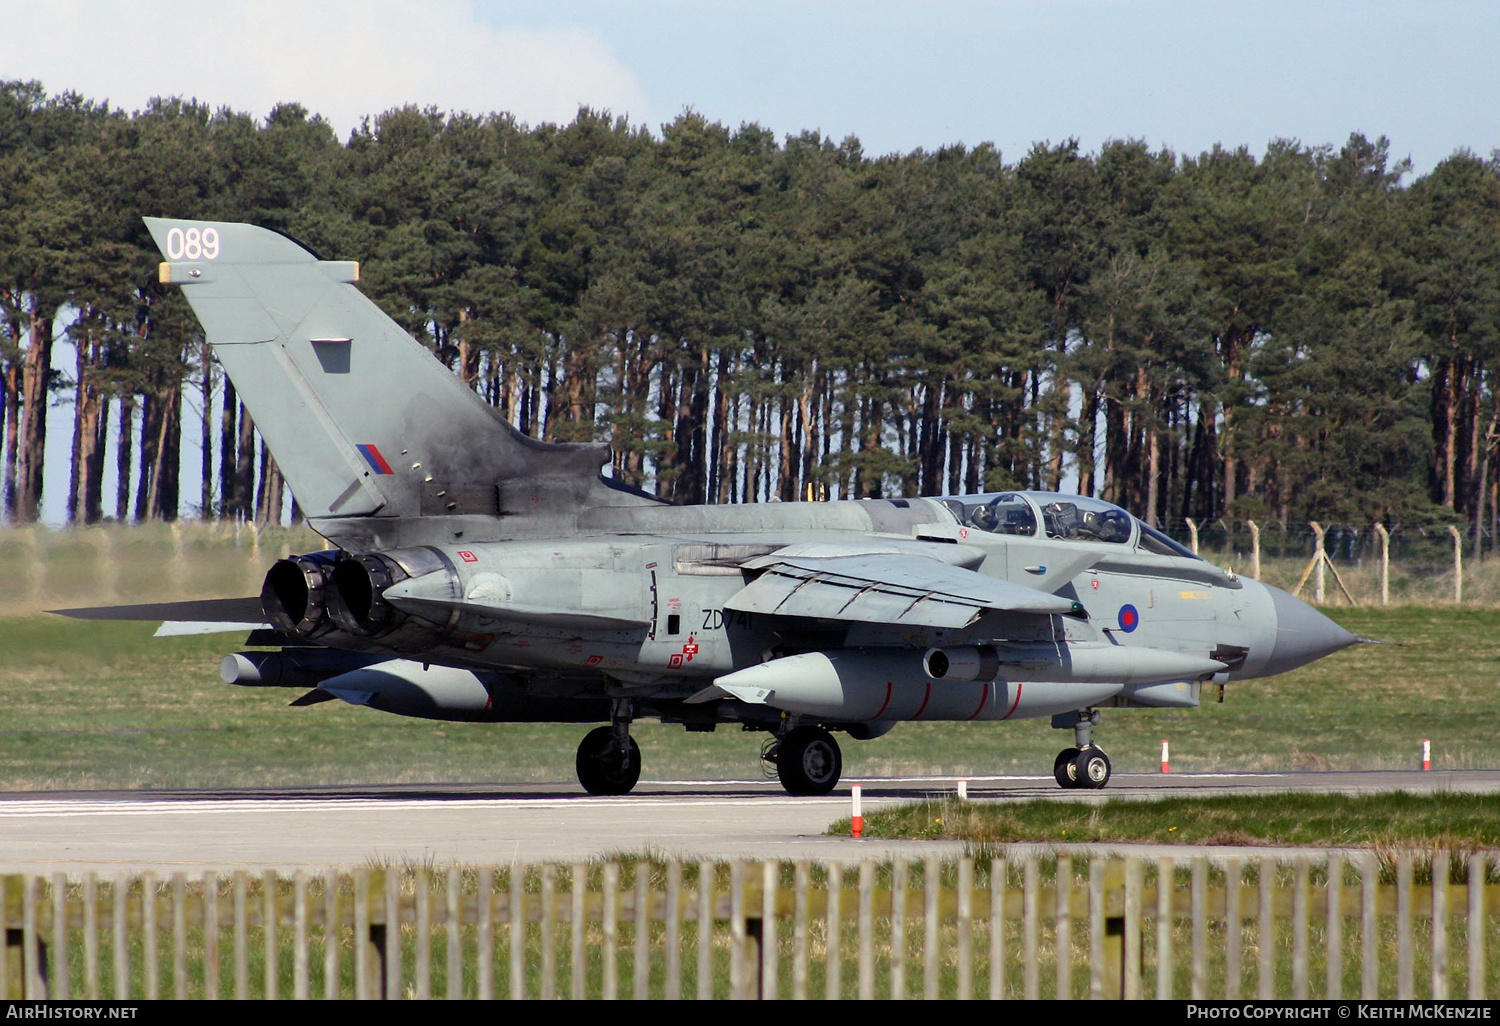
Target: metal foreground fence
[{"x": 1313, "y": 925}]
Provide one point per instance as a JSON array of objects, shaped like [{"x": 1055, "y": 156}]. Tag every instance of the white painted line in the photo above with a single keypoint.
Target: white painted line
[{"x": 27, "y": 809}]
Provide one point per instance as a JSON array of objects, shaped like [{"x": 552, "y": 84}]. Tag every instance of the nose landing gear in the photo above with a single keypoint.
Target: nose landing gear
[
  {"x": 1085, "y": 765},
  {"x": 808, "y": 761}
]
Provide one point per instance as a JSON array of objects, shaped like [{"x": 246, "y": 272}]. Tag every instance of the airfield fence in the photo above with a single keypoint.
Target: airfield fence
[
  {"x": 1310, "y": 925},
  {"x": 46, "y": 567}
]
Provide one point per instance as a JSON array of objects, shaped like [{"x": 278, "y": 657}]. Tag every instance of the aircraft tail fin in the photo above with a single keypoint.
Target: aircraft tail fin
[{"x": 362, "y": 419}]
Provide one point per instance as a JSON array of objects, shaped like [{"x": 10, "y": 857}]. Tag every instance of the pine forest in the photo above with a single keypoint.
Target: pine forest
[{"x": 1302, "y": 333}]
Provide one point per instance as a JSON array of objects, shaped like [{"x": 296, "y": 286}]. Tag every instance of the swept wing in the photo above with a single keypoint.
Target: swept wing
[{"x": 884, "y": 588}]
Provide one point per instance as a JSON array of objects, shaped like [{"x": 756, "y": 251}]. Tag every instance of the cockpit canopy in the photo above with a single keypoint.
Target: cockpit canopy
[{"x": 1058, "y": 516}]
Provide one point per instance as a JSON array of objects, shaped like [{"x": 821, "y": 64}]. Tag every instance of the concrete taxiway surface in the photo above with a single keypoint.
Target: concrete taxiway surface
[{"x": 288, "y": 828}]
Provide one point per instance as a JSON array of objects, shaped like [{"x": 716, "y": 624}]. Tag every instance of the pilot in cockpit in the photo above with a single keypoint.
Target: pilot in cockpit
[
  {"x": 1112, "y": 525},
  {"x": 1004, "y": 514},
  {"x": 1061, "y": 519},
  {"x": 983, "y": 517},
  {"x": 1065, "y": 520}
]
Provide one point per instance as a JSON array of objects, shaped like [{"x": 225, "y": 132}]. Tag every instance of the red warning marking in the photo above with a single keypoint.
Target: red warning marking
[
  {"x": 467, "y": 556},
  {"x": 984, "y": 700},
  {"x": 675, "y": 660},
  {"x": 593, "y": 660},
  {"x": 1013, "y": 704},
  {"x": 885, "y": 703},
  {"x": 691, "y": 648},
  {"x": 925, "y": 699},
  {"x": 1094, "y": 584}
]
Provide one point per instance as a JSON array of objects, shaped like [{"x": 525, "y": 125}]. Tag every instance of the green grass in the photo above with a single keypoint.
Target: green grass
[
  {"x": 1456, "y": 822},
  {"x": 105, "y": 705}
]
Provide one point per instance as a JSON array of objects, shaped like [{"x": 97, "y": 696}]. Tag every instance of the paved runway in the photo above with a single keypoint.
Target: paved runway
[{"x": 287, "y": 828}]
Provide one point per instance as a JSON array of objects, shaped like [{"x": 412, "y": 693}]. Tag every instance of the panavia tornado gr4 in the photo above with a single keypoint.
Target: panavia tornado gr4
[{"x": 478, "y": 574}]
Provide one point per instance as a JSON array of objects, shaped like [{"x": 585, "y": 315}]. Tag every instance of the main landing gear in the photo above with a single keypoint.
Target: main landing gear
[
  {"x": 1084, "y": 765},
  {"x": 808, "y": 761},
  {"x": 609, "y": 760},
  {"x": 807, "y": 758}
]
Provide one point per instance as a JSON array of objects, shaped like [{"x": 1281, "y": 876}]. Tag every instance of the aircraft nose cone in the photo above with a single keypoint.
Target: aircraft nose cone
[{"x": 1302, "y": 634}]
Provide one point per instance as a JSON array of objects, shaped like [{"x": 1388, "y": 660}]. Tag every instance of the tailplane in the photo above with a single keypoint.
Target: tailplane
[{"x": 364, "y": 422}]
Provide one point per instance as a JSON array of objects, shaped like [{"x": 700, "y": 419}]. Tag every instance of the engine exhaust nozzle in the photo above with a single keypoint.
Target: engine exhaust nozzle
[
  {"x": 294, "y": 595},
  {"x": 357, "y": 599}
]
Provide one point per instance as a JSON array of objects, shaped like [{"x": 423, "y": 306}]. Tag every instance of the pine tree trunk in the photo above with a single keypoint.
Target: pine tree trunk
[
  {"x": 786, "y": 481},
  {"x": 168, "y": 476},
  {"x": 929, "y": 446},
  {"x": 161, "y": 438},
  {"x": 666, "y": 407},
  {"x": 698, "y": 421},
  {"x": 1450, "y": 432},
  {"x": 228, "y": 456},
  {"x": 75, "y": 461},
  {"x": 275, "y": 494},
  {"x": 124, "y": 457},
  {"x": 1087, "y": 429},
  {"x": 1153, "y": 458},
  {"x": 8, "y": 456},
  {"x": 93, "y": 492},
  {"x": 809, "y": 438},
  {"x": 468, "y": 352},
  {"x": 260, "y": 488},
  {"x": 88, "y": 409},
  {"x": 30, "y": 463},
  {"x": 150, "y": 439},
  {"x": 244, "y": 467},
  {"x": 268, "y": 498},
  {"x": 725, "y": 413}
]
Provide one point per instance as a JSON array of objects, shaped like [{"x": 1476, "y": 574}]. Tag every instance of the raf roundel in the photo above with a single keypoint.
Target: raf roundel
[{"x": 1130, "y": 618}]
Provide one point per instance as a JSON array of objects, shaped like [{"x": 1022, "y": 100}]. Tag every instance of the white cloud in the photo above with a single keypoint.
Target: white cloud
[{"x": 343, "y": 59}]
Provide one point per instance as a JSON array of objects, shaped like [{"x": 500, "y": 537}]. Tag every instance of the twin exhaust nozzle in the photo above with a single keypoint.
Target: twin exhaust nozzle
[{"x": 305, "y": 596}]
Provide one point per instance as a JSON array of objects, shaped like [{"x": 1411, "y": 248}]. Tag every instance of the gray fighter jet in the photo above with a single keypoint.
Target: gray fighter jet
[{"x": 478, "y": 574}]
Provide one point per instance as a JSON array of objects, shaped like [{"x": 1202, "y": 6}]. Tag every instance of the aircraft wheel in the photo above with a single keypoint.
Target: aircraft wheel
[
  {"x": 809, "y": 762},
  {"x": 1062, "y": 768},
  {"x": 1091, "y": 768},
  {"x": 600, "y": 768}
]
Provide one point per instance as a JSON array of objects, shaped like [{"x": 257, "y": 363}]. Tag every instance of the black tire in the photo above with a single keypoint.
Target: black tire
[
  {"x": 600, "y": 768},
  {"x": 809, "y": 762},
  {"x": 1091, "y": 768},
  {"x": 1062, "y": 768}
]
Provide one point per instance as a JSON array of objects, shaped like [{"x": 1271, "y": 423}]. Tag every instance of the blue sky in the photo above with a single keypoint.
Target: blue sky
[
  {"x": 896, "y": 75},
  {"x": 1183, "y": 74}
]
